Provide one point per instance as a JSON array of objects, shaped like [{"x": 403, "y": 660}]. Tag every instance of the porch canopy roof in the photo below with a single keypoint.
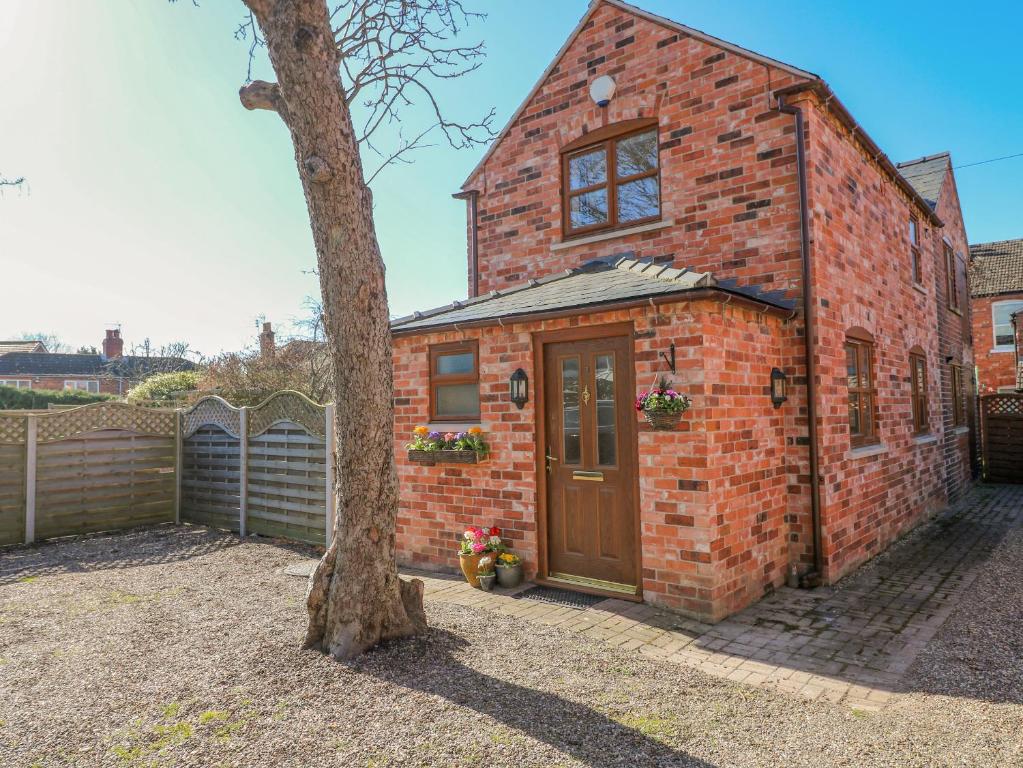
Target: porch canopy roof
[{"x": 601, "y": 283}]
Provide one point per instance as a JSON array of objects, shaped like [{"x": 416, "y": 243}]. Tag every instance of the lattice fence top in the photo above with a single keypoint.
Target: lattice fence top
[
  {"x": 288, "y": 406},
  {"x": 211, "y": 410},
  {"x": 60, "y": 425},
  {"x": 13, "y": 429},
  {"x": 1003, "y": 405}
]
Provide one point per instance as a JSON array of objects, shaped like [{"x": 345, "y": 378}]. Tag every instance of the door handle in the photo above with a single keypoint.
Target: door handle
[
  {"x": 549, "y": 460},
  {"x": 593, "y": 477}
]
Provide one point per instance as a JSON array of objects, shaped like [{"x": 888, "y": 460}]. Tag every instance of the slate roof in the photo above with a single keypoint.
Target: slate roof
[
  {"x": 21, "y": 346},
  {"x": 596, "y": 283},
  {"x": 996, "y": 267},
  {"x": 59, "y": 364},
  {"x": 926, "y": 175}
]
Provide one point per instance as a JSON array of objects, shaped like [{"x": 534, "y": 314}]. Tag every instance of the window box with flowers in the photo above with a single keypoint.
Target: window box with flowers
[{"x": 447, "y": 448}]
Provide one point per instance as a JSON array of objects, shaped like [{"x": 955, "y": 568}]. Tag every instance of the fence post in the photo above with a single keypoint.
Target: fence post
[
  {"x": 179, "y": 463},
  {"x": 30, "y": 478},
  {"x": 243, "y": 473},
  {"x": 328, "y": 444}
]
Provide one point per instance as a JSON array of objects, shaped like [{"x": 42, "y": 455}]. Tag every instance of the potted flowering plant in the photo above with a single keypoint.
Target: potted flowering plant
[
  {"x": 662, "y": 406},
  {"x": 431, "y": 447},
  {"x": 486, "y": 574},
  {"x": 475, "y": 544},
  {"x": 509, "y": 569}
]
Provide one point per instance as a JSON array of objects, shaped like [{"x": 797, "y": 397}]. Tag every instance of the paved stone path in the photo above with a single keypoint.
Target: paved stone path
[{"x": 851, "y": 643}]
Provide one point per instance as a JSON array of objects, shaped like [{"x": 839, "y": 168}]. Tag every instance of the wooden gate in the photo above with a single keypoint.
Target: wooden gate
[{"x": 1002, "y": 416}]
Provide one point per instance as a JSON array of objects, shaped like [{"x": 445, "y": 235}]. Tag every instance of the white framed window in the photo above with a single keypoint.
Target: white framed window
[
  {"x": 1001, "y": 323},
  {"x": 16, "y": 383},
  {"x": 83, "y": 385}
]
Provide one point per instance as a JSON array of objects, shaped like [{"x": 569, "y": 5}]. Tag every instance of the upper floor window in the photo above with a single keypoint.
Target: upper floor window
[
  {"x": 951, "y": 279},
  {"x": 612, "y": 180},
  {"x": 859, "y": 363},
  {"x": 1001, "y": 322},
  {"x": 918, "y": 390},
  {"x": 455, "y": 382},
  {"x": 83, "y": 385},
  {"x": 914, "y": 250},
  {"x": 958, "y": 401}
]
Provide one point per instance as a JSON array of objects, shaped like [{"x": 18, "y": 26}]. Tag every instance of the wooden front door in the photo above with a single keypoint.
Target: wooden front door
[{"x": 590, "y": 463}]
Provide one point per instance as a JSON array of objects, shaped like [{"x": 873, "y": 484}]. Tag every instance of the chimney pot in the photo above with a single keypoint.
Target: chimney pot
[{"x": 113, "y": 344}]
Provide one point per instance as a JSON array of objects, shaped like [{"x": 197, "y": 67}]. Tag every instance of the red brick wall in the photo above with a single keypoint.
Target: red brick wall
[
  {"x": 712, "y": 493},
  {"x": 862, "y": 274},
  {"x": 994, "y": 369},
  {"x": 728, "y": 177}
]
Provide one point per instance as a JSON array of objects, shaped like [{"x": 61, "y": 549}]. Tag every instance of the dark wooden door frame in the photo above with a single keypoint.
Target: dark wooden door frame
[{"x": 540, "y": 339}]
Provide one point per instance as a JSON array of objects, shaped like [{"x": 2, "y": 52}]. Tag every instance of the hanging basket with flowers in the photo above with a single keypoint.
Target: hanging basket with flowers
[
  {"x": 428, "y": 447},
  {"x": 662, "y": 406}
]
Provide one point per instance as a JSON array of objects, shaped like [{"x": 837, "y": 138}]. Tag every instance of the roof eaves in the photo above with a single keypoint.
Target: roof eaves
[
  {"x": 832, "y": 102},
  {"x": 662, "y": 21}
]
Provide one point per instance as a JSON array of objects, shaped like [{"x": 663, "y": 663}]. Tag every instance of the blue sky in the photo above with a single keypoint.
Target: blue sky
[{"x": 155, "y": 200}]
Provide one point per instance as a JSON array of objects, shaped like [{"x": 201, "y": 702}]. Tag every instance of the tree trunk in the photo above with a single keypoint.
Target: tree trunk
[{"x": 355, "y": 598}]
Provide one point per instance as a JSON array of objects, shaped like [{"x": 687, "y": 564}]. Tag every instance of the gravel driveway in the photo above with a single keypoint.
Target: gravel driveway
[{"x": 180, "y": 647}]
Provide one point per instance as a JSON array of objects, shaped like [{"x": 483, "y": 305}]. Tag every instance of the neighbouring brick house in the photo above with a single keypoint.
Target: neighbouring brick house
[
  {"x": 644, "y": 208},
  {"x": 110, "y": 372},
  {"x": 996, "y": 284}
]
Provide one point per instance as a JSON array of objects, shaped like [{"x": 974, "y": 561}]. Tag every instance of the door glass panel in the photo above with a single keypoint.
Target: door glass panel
[
  {"x": 607, "y": 439},
  {"x": 571, "y": 441},
  {"x": 457, "y": 400},
  {"x": 589, "y": 208},
  {"x": 587, "y": 170}
]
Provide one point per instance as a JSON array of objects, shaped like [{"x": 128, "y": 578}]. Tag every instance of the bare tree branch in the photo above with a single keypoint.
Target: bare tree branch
[
  {"x": 5, "y": 182},
  {"x": 390, "y": 54}
]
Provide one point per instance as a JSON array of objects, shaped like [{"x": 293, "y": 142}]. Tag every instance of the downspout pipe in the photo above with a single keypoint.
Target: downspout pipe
[
  {"x": 813, "y": 578},
  {"x": 471, "y": 196}
]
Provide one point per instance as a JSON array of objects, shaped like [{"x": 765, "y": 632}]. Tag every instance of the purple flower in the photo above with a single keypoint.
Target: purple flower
[{"x": 434, "y": 435}]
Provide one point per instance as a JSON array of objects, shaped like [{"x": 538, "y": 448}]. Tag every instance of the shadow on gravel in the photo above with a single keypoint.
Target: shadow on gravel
[
  {"x": 587, "y": 735},
  {"x": 131, "y": 548}
]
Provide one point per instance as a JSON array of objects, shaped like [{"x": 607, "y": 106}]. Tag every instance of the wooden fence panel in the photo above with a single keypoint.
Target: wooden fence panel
[
  {"x": 12, "y": 493},
  {"x": 286, "y": 479},
  {"x": 104, "y": 480},
  {"x": 211, "y": 478}
]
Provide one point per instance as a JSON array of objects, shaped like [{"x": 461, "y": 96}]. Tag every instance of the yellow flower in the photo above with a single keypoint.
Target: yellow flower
[
  {"x": 421, "y": 431},
  {"x": 475, "y": 431}
]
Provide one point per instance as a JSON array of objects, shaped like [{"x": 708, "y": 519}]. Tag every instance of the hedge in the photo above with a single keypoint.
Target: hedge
[
  {"x": 14, "y": 399},
  {"x": 164, "y": 387}
]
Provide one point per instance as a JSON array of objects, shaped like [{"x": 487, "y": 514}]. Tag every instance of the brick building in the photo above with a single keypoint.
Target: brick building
[
  {"x": 996, "y": 285},
  {"x": 664, "y": 199},
  {"x": 111, "y": 372}
]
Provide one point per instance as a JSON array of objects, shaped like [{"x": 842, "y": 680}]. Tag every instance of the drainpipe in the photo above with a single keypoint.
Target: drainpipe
[
  {"x": 812, "y": 578},
  {"x": 472, "y": 197}
]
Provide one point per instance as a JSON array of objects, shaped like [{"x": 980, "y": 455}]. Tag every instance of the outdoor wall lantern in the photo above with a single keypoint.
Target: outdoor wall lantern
[
  {"x": 779, "y": 387},
  {"x": 518, "y": 388}
]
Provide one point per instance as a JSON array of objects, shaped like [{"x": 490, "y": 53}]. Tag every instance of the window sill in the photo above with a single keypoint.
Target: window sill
[
  {"x": 925, "y": 439},
  {"x": 451, "y": 426},
  {"x": 955, "y": 311},
  {"x": 995, "y": 350},
  {"x": 867, "y": 450},
  {"x": 961, "y": 431},
  {"x": 598, "y": 238},
  {"x": 919, "y": 287}
]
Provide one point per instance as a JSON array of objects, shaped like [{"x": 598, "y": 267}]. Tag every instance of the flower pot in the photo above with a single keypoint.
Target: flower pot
[
  {"x": 663, "y": 420},
  {"x": 431, "y": 458},
  {"x": 509, "y": 575},
  {"x": 487, "y": 581},
  {"x": 470, "y": 565}
]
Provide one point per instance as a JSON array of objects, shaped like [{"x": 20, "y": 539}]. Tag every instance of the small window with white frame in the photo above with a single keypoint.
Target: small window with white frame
[
  {"x": 1001, "y": 324},
  {"x": 16, "y": 383},
  {"x": 82, "y": 385}
]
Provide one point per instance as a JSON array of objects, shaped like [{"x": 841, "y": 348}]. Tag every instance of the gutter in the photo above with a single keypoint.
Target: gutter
[
  {"x": 698, "y": 294},
  {"x": 472, "y": 197},
  {"x": 814, "y": 577}
]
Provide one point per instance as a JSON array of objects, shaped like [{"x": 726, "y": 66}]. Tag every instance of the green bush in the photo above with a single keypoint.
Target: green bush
[
  {"x": 13, "y": 399},
  {"x": 163, "y": 387}
]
